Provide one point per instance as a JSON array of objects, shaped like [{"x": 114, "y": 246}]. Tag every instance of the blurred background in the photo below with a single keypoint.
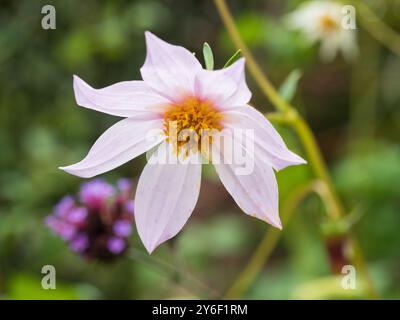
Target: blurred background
[{"x": 351, "y": 107}]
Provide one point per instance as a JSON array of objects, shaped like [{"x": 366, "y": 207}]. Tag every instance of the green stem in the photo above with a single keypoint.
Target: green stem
[
  {"x": 268, "y": 243},
  {"x": 265, "y": 85},
  {"x": 376, "y": 27},
  {"x": 318, "y": 165},
  {"x": 314, "y": 156}
]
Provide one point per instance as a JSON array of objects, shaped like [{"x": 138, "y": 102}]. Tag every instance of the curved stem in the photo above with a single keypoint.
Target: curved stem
[
  {"x": 377, "y": 28},
  {"x": 268, "y": 243},
  {"x": 265, "y": 85},
  {"x": 318, "y": 165},
  {"x": 302, "y": 129}
]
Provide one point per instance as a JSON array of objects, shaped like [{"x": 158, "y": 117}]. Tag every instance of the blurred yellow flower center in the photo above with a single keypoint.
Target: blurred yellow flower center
[
  {"x": 328, "y": 23},
  {"x": 189, "y": 122}
]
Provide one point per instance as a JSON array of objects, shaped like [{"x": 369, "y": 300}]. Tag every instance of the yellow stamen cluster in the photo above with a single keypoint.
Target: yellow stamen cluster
[
  {"x": 328, "y": 23},
  {"x": 189, "y": 122}
]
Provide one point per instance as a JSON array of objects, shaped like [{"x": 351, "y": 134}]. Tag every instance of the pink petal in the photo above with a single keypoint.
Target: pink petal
[
  {"x": 226, "y": 87},
  {"x": 165, "y": 198},
  {"x": 169, "y": 69},
  {"x": 124, "y": 99},
  {"x": 255, "y": 193},
  {"x": 214, "y": 86},
  {"x": 268, "y": 144},
  {"x": 237, "y": 72},
  {"x": 122, "y": 142}
]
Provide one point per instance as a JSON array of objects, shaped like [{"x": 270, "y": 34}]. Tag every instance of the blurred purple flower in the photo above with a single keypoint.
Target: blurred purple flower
[
  {"x": 60, "y": 227},
  {"x": 129, "y": 206},
  {"x": 95, "y": 193},
  {"x": 124, "y": 185},
  {"x": 99, "y": 224},
  {"x": 116, "y": 245},
  {"x": 77, "y": 215},
  {"x": 64, "y": 206},
  {"x": 122, "y": 228},
  {"x": 80, "y": 243}
]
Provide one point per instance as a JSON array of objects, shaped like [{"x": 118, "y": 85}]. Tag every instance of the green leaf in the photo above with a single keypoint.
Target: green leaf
[
  {"x": 289, "y": 87},
  {"x": 232, "y": 59},
  {"x": 208, "y": 56}
]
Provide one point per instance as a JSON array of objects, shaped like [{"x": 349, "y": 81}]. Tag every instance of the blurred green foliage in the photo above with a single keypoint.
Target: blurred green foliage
[{"x": 41, "y": 128}]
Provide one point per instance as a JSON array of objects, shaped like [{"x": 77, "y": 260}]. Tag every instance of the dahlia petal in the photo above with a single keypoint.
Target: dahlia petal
[
  {"x": 242, "y": 95},
  {"x": 268, "y": 144},
  {"x": 255, "y": 192},
  {"x": 124, "y": 99},
  {"x": 214, "y": 86},
  {"x": 165, "y": 198},
  {"x": 122, "y": 142},
  {"x": 168, "y": 69},
  {"x": 226, "y": 87}
]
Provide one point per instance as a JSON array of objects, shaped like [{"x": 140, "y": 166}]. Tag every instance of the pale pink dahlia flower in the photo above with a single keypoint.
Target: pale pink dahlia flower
[{"x": 176, "y": 89}]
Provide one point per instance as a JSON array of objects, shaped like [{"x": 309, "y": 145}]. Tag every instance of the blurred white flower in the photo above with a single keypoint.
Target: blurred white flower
[{"x": 326, "y": 22}]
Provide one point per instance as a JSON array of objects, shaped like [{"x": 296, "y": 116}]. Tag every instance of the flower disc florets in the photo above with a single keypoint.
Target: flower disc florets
[{"x": 188, "y": 123}]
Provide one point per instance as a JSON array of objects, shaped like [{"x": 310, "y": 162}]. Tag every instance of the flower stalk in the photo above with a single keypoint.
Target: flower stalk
[{"x": 335, "y": 209}]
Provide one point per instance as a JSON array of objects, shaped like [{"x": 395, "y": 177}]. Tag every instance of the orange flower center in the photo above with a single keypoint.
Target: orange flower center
[
  {"x": 328, "y": 23},
  {"x": 188, "y": 123}
]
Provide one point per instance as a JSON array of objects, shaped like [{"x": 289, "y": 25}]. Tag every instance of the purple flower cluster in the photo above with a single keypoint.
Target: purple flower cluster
[{"x": 98, "y": 223}]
